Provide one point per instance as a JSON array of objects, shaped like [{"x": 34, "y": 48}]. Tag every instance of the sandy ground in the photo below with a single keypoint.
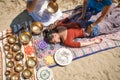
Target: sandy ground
[{"x": 101, "y": 66}]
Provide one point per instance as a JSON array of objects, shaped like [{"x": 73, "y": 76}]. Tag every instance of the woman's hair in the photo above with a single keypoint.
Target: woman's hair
[{"x": 47, "y": 34}]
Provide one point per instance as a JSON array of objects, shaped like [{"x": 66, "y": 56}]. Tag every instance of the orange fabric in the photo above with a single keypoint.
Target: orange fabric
[{"x": 73, "y": 31}]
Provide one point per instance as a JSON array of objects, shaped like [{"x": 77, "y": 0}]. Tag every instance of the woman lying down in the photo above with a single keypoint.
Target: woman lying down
[{"x": 65, "y": 32}]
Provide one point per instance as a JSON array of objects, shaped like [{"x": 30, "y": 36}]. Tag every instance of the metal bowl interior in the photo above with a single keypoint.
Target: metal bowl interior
[
  {"x": 16, "y": 47},
  {"x": 15, "y": 77},
  {"x": 19, "y": 68},
  {"x": 36, "y": 27},
  {"x": 25, "y": 37},
  {"x": 6, "y": 47},
  {"x": 27, "y": 73},
  {"x": 9, "y": 55},
  {"x": 52, "y": 7},
  {"x": 31, "y": 62},
  {"x": 12, "y": 39},
  {"x": 19, "y": 56}
]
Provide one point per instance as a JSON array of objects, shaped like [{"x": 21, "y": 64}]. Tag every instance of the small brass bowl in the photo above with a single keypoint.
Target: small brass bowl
[
  {"x": 12, "y": 39},
  {"x": 31, "y": 62},
  {"x": 19, "y": 68},
  {"x": 19, "y": 56},
  {"x": 6, "y": 47},
  {"x": 15, "y": 77},
  {"x": 16, "y": 47},
  {"x": 27, "y": 73},
  {"x": 9, "y": 55},
  {"x": 25, "y": 37},
  {"x": 7, "y": 73},
  {"x": 36, "y": 27},
  {"x": 10, "y": 64},
  {"x": 52, "y": 7}
]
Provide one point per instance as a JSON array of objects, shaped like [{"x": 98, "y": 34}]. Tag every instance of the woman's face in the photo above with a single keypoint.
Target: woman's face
[{"x": 56, "y": 38}]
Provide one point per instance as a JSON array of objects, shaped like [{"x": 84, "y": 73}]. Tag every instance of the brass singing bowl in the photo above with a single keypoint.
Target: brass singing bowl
[
  {"x": 10, "y": 64},
  {"x": 31, "y": 62},
  {"x": 15, "y": 77},
  {"x": 12, "y": 39},
  {"x": 9, "y": 55},
  {"x": 36, "y": 27},
  {"x": 6, "y": 47},
  {"x": 25, "y": 37},
  {"x": 7, "y": 73},
  {"x": 16, "y": 47},
  {"x": 19, "y": 56},
  {"x": 52, "y": 7},
  {"x": 18, "y": 68},
  {"x": 27, "y": 73}
]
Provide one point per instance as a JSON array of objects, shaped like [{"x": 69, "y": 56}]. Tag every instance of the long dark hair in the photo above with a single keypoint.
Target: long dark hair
[{"x": 47, "y": 34}]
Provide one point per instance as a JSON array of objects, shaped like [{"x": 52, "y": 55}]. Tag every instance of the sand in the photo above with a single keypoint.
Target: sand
[{"x": 104, "y": 65}]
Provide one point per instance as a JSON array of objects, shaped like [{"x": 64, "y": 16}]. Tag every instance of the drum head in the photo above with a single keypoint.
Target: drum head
[{"x": 63, "y": 56}]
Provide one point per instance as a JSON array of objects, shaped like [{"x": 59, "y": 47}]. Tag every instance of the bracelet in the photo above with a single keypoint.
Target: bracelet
[{"x": 92, "y": 26}]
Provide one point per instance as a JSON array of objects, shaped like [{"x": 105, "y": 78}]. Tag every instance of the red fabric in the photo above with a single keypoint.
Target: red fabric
[{"x": 73, "y": 31}]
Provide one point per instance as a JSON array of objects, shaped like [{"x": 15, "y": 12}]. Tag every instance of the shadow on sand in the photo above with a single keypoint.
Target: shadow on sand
[{"x": 22, "y": 18}]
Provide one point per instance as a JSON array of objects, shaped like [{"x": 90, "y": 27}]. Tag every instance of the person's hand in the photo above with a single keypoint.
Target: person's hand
[
  {"x": 98, "y": 40},
  {"x": 89, "y": 29},
  {"x": 81, "y": 17}
]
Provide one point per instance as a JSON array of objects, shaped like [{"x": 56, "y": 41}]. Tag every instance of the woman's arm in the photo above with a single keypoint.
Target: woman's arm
[
  {"x": 103, "y": 14},
  {"x": 96, "y": 41},
  {"x": 72, "y": 43},
  {"x": 31, "y": 5}
]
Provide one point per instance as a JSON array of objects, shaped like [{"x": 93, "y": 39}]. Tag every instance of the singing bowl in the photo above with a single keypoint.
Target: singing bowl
[
  {"x": 18, "y": 68},
  {"x": 27, "y": 73},
  {"x": 52, "y": 7},
  {"x": 10, "y": 64},
  {"x": 25, "y": 37},
  {"x": 36, "y": 27},
  {"x": 19, "y": 56},
  {"x": 6, "y": 47},
  {"x": 31, "y": 62},
  {"x": 15, "y": 77},
  {"x": 9, "y": 55},
  {"x": 16, "y": 47},
  {"x": 7, "y": 73},
  {"x": 12, "y": 39}
]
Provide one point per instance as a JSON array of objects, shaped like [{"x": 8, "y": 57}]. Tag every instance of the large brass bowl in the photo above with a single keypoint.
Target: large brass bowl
[
  {"x": 36, "y": 27},
  {"x": 31, "y": 62},
  {"x": 25, "y": 37},
  {"x": 52, "y": 7}
]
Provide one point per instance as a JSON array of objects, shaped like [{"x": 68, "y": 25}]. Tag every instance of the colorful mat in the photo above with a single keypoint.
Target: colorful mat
[
  {"x": 46, "y": 56},
  {"x": 45, "y": 52}
]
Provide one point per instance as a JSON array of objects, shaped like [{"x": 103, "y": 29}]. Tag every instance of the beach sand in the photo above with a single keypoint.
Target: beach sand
[{"x": 104, "y": 65}]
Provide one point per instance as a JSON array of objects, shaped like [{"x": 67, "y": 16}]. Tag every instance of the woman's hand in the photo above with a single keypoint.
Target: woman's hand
[{"x": 98, "y": 40}]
